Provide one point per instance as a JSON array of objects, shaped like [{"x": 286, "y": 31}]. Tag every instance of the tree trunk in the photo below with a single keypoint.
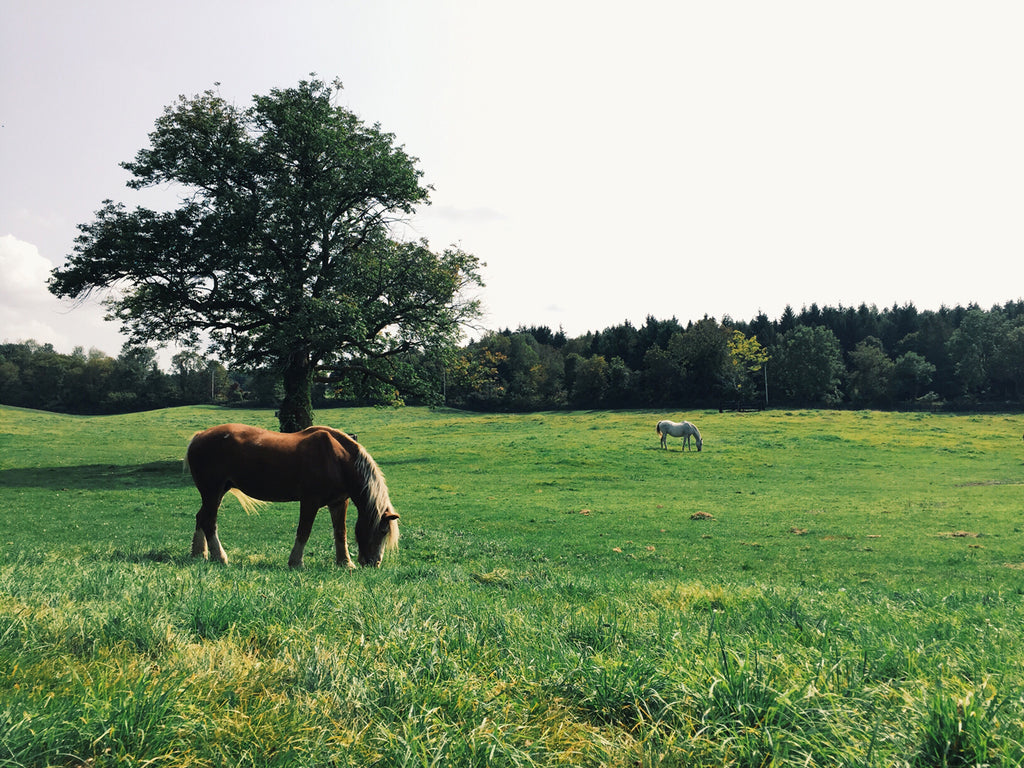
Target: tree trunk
[{"x": 296, "y": 412}]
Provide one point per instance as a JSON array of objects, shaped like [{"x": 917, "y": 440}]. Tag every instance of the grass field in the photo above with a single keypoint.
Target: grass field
[{"x": 814, "y": 588}]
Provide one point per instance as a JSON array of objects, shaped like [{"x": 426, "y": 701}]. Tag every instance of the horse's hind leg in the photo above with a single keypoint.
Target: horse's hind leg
[
  {"x": 341, "y": 555},
  {"x": 199, "y": 543},
  {"x": 206, "y": 531}
]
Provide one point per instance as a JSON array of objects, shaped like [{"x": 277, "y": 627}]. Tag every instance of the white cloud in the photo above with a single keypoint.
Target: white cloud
[
  {"x": 24, "y": 300},
  {"x": 28, "y": 311},
  {"x": 24, "y": 273}
]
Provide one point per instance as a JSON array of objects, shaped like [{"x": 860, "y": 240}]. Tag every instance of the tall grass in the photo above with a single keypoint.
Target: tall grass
[{"x": 553, "y": 602}]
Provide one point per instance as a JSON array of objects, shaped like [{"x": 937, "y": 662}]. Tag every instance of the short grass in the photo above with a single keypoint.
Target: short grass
[{"x": 814, "y": 588}]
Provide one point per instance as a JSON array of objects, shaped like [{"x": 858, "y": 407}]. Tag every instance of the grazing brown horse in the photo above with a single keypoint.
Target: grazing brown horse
[{"x": 317, "y": 467}]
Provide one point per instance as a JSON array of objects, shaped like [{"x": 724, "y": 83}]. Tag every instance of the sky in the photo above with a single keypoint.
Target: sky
[{"x": 606, "y": 161}]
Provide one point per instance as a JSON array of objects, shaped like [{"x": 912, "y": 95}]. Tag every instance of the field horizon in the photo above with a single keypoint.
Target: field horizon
[{"x": 813, "y": 588}]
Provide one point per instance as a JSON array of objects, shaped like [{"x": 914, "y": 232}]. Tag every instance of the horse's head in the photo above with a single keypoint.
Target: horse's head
[
  {"x": 700, "y": 443},
  {"x": 375, "y": 537}
]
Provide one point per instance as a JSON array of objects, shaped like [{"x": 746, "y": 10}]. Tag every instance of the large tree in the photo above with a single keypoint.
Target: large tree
[
  {"x": 281, "y": 252},
  {"x": 809, "y": 365},
  {"x": 870, "y": 373}
]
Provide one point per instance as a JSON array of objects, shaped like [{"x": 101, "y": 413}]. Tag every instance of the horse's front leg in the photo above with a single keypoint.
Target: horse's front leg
[
  {"x": 341, "y": 556},
  {"x": 307, "y": 514},
  {"x": 206, "y": 531}
]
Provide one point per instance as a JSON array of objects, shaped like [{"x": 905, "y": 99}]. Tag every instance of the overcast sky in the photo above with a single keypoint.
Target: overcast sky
[{"x": 607, "y": 161}]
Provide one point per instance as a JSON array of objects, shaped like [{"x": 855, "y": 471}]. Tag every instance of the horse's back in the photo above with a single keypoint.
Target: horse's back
[
  {"x": 226, "y": 441},
  {"x": 273, "y": 466},
  {"x": 226, "y": 436},
  {"x": 214, "y": 453}
]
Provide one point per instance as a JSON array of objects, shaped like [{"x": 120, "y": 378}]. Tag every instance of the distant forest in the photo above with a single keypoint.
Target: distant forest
[{"x": 901, "y": 357}]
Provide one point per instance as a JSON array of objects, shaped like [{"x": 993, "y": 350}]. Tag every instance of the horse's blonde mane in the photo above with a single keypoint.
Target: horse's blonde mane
[
  {"x": 376, "y": 490},
  {"x": 373, "y": 480}
]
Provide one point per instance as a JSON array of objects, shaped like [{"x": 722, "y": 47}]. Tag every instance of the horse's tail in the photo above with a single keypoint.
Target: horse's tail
[
  {"x": 185, "y": 468},
  {"x": 249, "y": 504},
  {"x": 657, "y": 428}
]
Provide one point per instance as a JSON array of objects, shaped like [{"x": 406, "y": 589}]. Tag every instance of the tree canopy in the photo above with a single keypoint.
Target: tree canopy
[{"x": 281, "y": 254}]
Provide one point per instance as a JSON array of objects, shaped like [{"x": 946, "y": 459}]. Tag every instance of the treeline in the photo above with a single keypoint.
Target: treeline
[
  {"x": 863, "y": 357},
  {"x": 36, "y": 376},
  {"x": 898, "y": 357}
]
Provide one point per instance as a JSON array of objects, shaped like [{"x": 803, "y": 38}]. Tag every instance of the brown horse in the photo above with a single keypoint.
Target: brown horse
[{"x": 317, "y": 467}]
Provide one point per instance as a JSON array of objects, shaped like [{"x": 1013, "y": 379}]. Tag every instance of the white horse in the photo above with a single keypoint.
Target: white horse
[{"x": 679, "y": 429}]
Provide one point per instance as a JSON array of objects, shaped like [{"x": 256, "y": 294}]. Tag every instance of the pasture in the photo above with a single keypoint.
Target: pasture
[{"x": 813, "y": 588}]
